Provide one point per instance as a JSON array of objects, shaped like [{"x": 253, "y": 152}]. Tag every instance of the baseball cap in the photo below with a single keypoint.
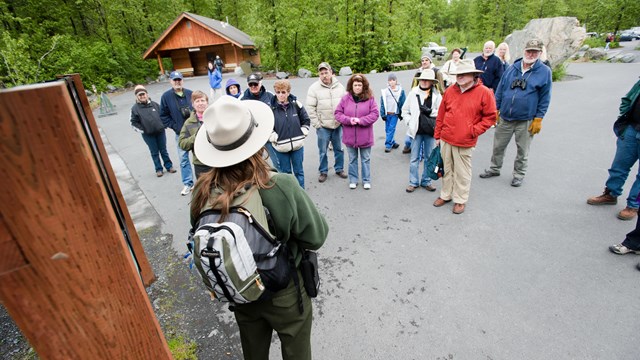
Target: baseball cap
[
  {"x": 324, "y": 65},
  {"x": 254, "y": 78},
  {"x": 175, "y": 75},
  {"x": 534, "y": 44}
]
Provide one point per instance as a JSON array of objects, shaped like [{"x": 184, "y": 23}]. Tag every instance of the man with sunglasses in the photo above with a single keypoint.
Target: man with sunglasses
[
  {"x": 175, "y": 108},
  {"x": 522, "y": 100},
  {"x": 256, "y": 91}
]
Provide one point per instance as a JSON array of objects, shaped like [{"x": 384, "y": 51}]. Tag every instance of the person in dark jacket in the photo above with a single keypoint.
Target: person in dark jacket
[
  {"x": 232, "y": 88},
  {"x": 289, "y": 130},
  {"x": 491, "y": 65},
  {"x": 145, "y": 119},
  {"x": 522, "y": 99},
  {"x": 175, "y": 108},
  {"x": 256, "y": 91},
  {"x": 627, "y": 130}
]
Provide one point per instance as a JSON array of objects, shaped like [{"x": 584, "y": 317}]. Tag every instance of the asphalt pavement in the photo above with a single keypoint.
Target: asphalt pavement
[{"x": 524, "y": 273}]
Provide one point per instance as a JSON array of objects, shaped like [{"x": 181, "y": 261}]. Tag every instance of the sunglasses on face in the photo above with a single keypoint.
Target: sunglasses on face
[
  {"x": 281, "y": 92},
  {"x": 177, "y": 80},
  {"x": 253, "y": 85}
]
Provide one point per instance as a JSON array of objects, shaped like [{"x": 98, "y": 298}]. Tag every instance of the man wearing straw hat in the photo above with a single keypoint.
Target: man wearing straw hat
[{"x": 467, "y": 110}]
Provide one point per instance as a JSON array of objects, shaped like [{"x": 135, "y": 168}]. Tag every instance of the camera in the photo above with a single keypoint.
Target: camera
[
  {"x": 185, "y": 111},
  {"x": 521, "y": 83}
]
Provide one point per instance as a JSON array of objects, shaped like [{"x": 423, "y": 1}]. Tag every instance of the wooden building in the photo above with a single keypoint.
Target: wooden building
[{"x": 192, "y": 40}]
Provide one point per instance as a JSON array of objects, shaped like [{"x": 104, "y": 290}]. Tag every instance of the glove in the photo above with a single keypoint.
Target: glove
[
  {"x": 384, "y": 117},
  {"x": 274, "y": 137},
  {"x": 536, "y": 126},
  {"x": 497, "y": 117}
]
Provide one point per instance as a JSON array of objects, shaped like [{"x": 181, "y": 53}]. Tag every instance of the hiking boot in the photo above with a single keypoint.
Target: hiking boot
[
  {"x": 395, "y": 146},
  {"x": 627, "y": 213},
  {"x": 516, "y": 182},
  {"x": 605, "y": 199},
  {"x": 342, "y": 174},
  {"x": 411, "y": 188},
  {"x": 387, "y": 150},
  {"x": 429, "y": 188},
  {"x": 458, "y": 208},
  {"x": 440, "y": 201},
  {"x": 172, "y": 170},
  {"x": 638, "y": 267},
  {"x": 406, "y": 150},
  {"x": 159, "y": 173},
  {"x": 487, "y": 174},
  {"x": 322, "y": 178},
  {"x": 622, "y": 250}
]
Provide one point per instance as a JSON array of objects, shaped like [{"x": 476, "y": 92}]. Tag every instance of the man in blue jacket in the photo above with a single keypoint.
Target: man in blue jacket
[
  {"x": 522, "y": 100},
  {"x": 490, "y": 64},
  {"x": 175, "y": 108}
]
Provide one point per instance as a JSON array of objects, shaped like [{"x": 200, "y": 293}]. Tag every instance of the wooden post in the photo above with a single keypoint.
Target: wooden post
[
  {"x": 67, "y": 276},
  {"x": 160, "y": 63}
]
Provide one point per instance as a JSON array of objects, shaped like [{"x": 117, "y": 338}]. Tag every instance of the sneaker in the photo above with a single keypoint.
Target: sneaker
[
  {"x": 487, "y": 174},
  {"x": 159, "y": 173},
  {"x": 638, "y": 267},
  {"x": 516, "y": 182},
  {"x": 430, "y": 188},
  {"x": 352, "y": 186},
  {"x": 395, "y": 146},
  {"x": 627, "y": 213},
  {"x": 458, "y": 208},
  {"x": 172, "y": 170},
  {"x": 186, "y": 190},
  {"x": 605, "y": 199},
  {"x": 367, "y": 186},
  {"x": 440, "y": 201},
  {"x": 342, "y": 174},
  {"x": 406, "y": 150},
  {"x": 411, "y": 188},
  {"x": 622, "y": 250},
  {"x": 387, "y": 150},
  {"x": 322, "y": 178}
]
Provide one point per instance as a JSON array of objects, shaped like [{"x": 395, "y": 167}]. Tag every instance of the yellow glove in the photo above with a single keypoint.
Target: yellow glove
[
  {"x": 497, "y": 117},
  {"x": 536, "y": 126}
]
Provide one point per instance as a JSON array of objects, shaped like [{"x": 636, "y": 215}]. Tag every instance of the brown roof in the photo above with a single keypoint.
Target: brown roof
[{"x": 220, "y": 28}]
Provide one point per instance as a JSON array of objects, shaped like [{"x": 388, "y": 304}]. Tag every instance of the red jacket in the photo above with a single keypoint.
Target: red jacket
[{"x": 463, "y": 117}]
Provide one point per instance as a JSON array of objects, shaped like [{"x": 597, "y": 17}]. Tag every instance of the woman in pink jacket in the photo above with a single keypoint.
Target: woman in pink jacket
[{"x": 357, "y": 111}]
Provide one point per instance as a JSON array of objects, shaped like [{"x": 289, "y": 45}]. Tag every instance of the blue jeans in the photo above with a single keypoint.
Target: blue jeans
[
  {"x": 421, "y": 143},
  {"x": 185, "y": 165},
  {"x": 157, "y": 144},
  {"x": 292, "y": 159},
  {"x": 627, "y": 153},
  {"x": 390, "y": 130},
  {"x": 273, "y": 155},
  {"x": 335, "y": 137},
  {"x": 407, "y": 141},
  {"x": 365, "y": 164}
]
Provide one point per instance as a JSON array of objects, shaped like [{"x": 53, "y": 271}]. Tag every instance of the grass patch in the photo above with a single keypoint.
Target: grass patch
[
  {"x": 559, "y": 72},
  {"x": 182, "y": 349}
]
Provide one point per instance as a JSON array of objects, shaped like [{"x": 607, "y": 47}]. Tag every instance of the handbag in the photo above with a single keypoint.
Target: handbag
[
  {"x": 435, "y": 165},
  {"x": 309, "y": 271}
]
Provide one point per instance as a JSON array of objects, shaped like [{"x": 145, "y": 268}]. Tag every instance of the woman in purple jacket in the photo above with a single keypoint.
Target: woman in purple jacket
[{"x": 357, "y": 111}]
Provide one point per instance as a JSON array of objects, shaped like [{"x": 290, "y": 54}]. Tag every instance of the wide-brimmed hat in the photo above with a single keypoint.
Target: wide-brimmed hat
[
  {"x": 466, "y": 66},
  {"x": 428, "y": 74},
  {"x": 232, "y": 131},
  {"x": 534, "y": 44}
]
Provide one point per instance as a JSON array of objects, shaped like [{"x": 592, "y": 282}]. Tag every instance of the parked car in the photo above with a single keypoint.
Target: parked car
[
  {"x": 629, "y": 36},
  {"x": 434, "y": 49}
]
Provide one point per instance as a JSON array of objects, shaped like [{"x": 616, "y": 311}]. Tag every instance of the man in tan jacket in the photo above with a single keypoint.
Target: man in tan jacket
[{"x": 322, "y": 99}]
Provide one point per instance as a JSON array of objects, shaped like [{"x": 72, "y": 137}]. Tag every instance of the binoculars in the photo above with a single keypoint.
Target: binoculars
[{"x": 521, "y": 83}]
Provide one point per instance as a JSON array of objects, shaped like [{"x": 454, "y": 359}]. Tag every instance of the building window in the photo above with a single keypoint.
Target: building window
[{"x": 188, "y": 24}]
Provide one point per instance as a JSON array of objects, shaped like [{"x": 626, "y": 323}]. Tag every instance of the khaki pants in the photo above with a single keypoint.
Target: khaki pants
[
  {"x": 456, "y": 181},
  {"x": 258, "y": 320},
  {"x": 501, "y": 138}
]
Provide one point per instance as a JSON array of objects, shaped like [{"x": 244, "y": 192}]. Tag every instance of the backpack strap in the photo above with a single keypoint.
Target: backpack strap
[{"x": 212, "y": 255}]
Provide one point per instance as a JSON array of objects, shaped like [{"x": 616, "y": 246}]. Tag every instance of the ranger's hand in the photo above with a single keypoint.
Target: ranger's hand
[{"x": 536, "y": 126}]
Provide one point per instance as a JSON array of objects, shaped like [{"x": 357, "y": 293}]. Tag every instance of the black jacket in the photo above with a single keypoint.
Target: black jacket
[{"x": 146, "y": 117}]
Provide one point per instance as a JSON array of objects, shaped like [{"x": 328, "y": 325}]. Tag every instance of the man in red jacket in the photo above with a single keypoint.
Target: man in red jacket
[{"x": 467, "y": 110}]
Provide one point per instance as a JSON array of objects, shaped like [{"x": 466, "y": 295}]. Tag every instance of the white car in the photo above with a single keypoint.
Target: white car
[{"x": 434, "y": 49}]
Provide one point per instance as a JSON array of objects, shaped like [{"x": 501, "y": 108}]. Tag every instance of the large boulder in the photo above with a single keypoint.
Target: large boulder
[
  {"x": 595, "y": 54},
  {"x": 628, "y": 58},
  {"x": 562, "y": 37},
  {"x": 345, "y": 71},
  {"x": 282, "y": 75},
  {"x": 304, "y": 73}
]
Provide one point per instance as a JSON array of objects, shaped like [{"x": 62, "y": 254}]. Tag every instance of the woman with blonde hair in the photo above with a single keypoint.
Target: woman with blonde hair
[
  {"x": 199, "y": 101},
  {"x": 231, "y": 141},
  {"x": 502, "y": 51}
]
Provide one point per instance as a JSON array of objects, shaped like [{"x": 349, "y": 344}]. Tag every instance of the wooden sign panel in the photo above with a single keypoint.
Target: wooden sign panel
[{"x": 67, "y": 277}]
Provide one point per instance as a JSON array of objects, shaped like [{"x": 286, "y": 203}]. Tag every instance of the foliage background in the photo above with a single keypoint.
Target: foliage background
[{"x": 103, "y": 40}]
